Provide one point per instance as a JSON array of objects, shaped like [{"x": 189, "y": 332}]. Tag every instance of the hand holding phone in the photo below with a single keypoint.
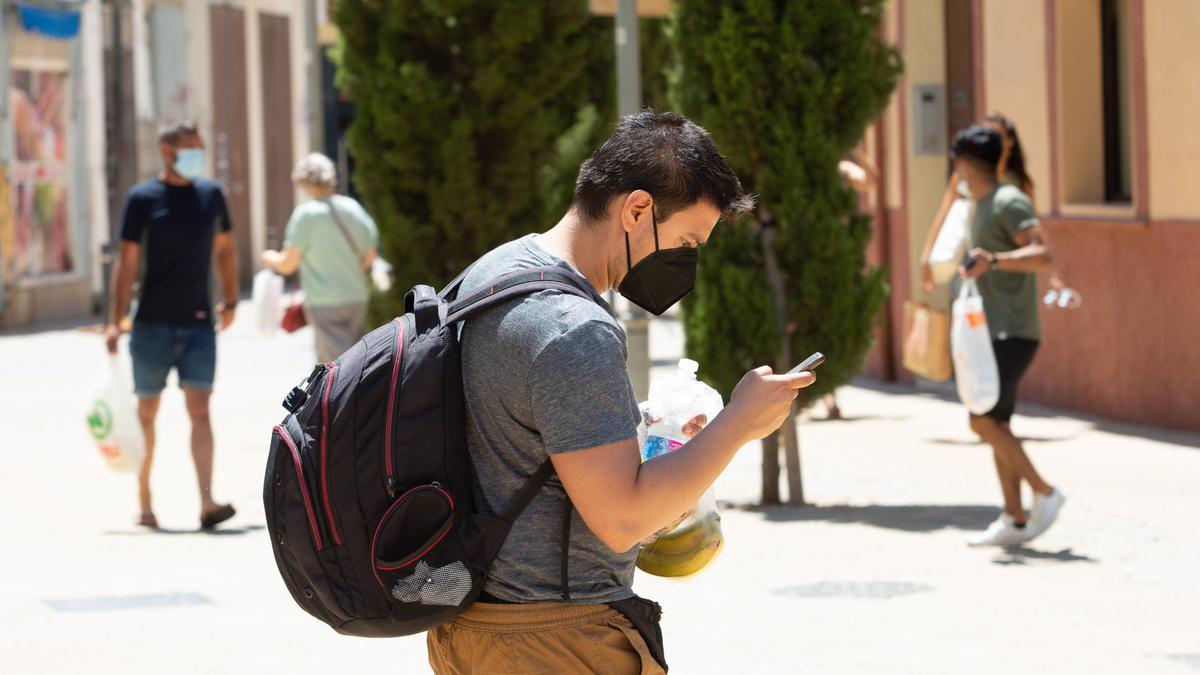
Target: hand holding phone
[{"x": 810, "y": 363}]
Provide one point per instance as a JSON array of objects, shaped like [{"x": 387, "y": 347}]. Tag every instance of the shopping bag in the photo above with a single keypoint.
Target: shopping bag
[
  {"x": 114, "y": 425},
  {"x": 975, "y": 371},
  {"x": 294, "y": 317},
  {"x": 381, "y": 274},
  {"x": 951, "y": 243},
  {"x": 927, "y": 341},
  {"x": 267, "y": 296}
]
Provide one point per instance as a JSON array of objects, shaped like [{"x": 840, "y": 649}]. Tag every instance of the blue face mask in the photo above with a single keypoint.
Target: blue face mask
[{"x": 189, "y": 162}]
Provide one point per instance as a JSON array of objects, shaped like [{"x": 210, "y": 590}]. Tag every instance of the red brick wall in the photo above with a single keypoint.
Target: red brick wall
[{"x": 1132, "y": 351}]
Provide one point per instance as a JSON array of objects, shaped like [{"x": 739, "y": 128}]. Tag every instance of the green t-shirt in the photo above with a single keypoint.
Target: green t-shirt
[
  {"x": 1010, "y": 299},
  {"x": 330, "y": 272}
]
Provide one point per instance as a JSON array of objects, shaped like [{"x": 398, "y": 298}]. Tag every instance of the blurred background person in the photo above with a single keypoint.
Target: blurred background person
[
  {"x": 1010, "y": 170},
  {"x": 861, "y": 175},
  {"x": 332, "y": 240},
  {"x": 175, "y": 223},
  {"x": 1007, "y": 252}
]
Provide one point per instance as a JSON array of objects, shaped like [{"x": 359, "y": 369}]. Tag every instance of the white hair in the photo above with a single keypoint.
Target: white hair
[{"x": 316, "y": 170}]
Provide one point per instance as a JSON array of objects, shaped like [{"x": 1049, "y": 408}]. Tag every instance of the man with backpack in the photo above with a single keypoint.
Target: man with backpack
[
  {"x": 544, "y": 375},
  {"x": 174, "y": 225}
]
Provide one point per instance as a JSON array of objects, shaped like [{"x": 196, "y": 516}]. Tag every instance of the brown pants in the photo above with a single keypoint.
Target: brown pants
[{"x": 543, "y": 638}]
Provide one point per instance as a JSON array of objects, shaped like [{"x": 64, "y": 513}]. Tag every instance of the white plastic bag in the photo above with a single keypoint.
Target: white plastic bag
[
  {"x": 381, "y": 274},
  {"x": 951, "y": 243},
  {"x": 679, "y": 407},
  {"x": 114, "y": 425},
  {"x": 267, "y": 296},
  {"x": 975, "y": 370}
]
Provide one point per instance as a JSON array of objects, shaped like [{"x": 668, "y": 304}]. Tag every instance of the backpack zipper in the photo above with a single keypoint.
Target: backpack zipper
[
  {"x": 389, "y": 481},
  {"x": 308, "y": 507},
  {"x": 333, "y": 368}
]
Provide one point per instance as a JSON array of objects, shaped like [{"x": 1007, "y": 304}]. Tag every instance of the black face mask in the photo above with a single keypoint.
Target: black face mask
[{"x": 660, "y": 279}]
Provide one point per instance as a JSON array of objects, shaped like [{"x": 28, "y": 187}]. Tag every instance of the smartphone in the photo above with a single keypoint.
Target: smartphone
[{"x": 808, "y": 364}]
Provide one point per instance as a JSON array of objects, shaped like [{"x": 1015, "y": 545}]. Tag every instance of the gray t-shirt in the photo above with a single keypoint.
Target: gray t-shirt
[{"x": 544, "y": 374}]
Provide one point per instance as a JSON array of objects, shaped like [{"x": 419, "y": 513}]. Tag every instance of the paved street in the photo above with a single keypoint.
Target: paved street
[{"x": 875, "y": 578}]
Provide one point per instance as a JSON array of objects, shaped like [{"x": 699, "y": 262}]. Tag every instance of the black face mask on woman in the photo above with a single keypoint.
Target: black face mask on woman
[{"x": 662, "y": 278}]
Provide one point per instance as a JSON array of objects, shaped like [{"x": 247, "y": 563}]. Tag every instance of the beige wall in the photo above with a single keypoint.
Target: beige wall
[
  {"x": 200, "y": 73},
  {"x": 1014, "y": 62},
  {"x": 1173, "y": 102},
  {"x": 924, "y": 63},
  {"x": 1081, "y": 101}
]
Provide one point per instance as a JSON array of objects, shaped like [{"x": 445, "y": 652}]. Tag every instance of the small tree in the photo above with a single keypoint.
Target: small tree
[
  {"x": 786, "y": 88},
  {"x": 460, "y": 104}
]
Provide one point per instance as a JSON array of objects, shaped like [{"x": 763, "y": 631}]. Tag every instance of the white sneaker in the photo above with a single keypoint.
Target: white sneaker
[
  {"x": 1045, "y": 511},
  {"x": 1002, "y": 532}
]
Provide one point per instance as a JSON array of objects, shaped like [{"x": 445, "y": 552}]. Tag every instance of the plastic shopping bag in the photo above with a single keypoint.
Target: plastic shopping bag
[
  {"x": 381, "y": 274},
  {"x": 114, "y": 425},
  {"x": 951, "y": 243},
  {"x": 267, "y": 296},
  {"x": 975, "y": 369},
  {"x": 694, "y": 540}
]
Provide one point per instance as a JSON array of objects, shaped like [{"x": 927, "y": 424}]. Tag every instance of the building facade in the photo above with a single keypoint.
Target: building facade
[
  {"x": 88, "y": 83},
  {"x": 1104, "y": 95}
]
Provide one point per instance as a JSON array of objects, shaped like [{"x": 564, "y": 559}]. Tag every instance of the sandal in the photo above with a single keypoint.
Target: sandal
[
  {"x": 217, "y": 516},
  {"x": 147, "y": 520}
]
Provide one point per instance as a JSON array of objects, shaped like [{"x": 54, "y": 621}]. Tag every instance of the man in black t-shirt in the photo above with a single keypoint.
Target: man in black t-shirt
[{"x": 171, "y": 228}]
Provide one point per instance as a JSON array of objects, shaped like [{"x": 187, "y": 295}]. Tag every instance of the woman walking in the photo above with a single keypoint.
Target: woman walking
[{"x": 332, "y": 241}]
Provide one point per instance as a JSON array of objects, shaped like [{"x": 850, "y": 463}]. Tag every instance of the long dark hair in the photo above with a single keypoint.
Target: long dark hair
[{"x": 1016, "y": 158}]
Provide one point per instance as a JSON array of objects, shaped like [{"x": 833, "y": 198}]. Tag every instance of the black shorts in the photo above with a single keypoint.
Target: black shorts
[{"x": 1013, "y": 357}]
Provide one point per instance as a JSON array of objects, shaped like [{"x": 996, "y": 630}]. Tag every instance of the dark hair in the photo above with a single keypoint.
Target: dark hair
[
  {"x": 170, "y": 133},
  {"x": 1016, "y": 156},
  {"x": 978, "y": 144},
  {"x": 665, "y": 154}
]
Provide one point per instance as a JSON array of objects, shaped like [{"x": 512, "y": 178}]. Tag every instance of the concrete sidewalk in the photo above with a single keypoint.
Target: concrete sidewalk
[{"x": 874, "y": 578}]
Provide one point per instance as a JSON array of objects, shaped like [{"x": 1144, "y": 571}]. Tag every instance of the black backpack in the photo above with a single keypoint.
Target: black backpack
[{"x": 368, "y": 488}]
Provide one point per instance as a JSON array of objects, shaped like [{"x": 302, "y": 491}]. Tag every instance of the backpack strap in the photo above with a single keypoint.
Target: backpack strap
[
  {"x": 515, "y": 284},
  {"x": 565, "y": 547},
  {"x": 451, "y": 289},
  {"x": 527, "y": 492}
]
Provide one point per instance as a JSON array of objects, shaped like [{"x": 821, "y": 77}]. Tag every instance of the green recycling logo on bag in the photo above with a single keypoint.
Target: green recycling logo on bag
[{"x": 100, "y": 420}]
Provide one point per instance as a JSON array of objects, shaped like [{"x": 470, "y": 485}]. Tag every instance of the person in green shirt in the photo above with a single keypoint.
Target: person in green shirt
[
  {"x": 332, "y": 241},
  {"x": 1007, "y": 250}
]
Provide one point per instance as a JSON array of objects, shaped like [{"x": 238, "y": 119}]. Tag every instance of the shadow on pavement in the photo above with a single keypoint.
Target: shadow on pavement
[
  {"x": 906, "y": 517},
  {"x": 858, "y": 418},
  {"x": 1021, "y": 555},
  {"x": 221, "y": 532},
  {"x": 1023, "y": 438},
  {"x": 941, "y": 391}
]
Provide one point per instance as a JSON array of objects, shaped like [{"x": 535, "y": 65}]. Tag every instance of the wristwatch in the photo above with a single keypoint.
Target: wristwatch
[
  {"x": 992, "y": 260},
  {"x": 229, "y": 305}
]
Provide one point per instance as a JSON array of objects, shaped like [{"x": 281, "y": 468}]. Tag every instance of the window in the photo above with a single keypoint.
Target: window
[
  {"x": 1114, "y": 16},
  {"x": 1093, "y": 100}
]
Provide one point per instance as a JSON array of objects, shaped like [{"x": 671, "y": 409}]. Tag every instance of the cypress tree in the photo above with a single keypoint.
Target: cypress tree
[
  {"x": 461, "y": 105},
  {"x": 786, "y": 88}
]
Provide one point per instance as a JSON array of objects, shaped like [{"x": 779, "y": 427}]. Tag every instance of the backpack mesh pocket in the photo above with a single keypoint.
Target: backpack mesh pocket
[{"x": 415, "y": 558}]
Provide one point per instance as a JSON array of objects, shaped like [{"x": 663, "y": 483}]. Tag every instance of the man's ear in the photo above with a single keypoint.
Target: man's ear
[{"x": 635, "y": 210}]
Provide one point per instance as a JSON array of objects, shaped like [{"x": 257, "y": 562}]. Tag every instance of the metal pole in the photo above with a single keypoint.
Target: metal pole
[{"x": 629, "y": 100}]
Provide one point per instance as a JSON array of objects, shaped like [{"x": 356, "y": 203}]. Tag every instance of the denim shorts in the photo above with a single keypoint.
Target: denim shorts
[{"x": 156, "y": 348}]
